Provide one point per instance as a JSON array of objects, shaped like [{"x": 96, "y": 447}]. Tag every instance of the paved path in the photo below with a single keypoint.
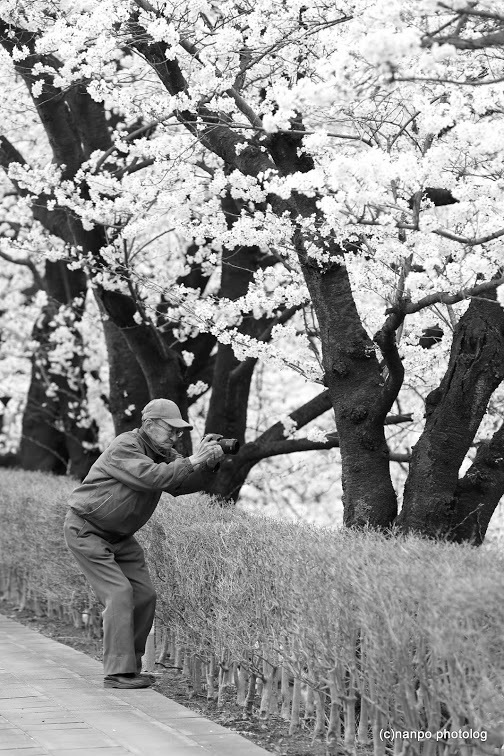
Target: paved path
[{"x": 52, "y": 701}]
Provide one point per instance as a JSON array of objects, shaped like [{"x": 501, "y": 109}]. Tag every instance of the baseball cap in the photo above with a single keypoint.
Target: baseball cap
[{"x": 164, "y": 409}]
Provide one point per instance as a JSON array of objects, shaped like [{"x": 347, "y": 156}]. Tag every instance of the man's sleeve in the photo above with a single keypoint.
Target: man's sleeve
[
  {"x": 197, "y": 480},
  {"x": 127, "y": 464}
]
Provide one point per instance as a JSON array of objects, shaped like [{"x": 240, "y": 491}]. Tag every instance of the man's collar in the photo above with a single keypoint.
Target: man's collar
[{"x": 156, "y": 450}]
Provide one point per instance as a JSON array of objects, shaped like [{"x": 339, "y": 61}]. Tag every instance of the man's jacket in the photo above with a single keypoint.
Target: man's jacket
[{"x": 123, "y": 487}]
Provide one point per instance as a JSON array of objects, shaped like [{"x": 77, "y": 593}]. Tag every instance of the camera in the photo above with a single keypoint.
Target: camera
[{"x": 229, "y": 445}]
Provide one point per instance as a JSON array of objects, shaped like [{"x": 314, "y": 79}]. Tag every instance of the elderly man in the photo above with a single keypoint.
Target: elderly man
[{"x": 117, "y": 497}]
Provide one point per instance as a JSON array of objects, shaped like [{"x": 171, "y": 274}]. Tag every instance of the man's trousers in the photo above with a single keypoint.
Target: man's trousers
[{"x": 120, "y": 579}]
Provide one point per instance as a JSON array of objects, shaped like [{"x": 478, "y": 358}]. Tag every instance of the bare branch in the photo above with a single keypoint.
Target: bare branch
[
  {"x": 396, "y": 419},
  {"x": 245, "y": 108},
  {"x": 315, "y": 407},
  {"x": 301, "y": 416},
  {"x": 469, "y": 11},
  {"x": 292, "y": 445},
  {"x": 476, "y": 43},
  {"x": 467, "y": 83},
  {"x": 133, "y": 167},
  {"x": 260, "y": 127},
  {"x": 448, "y": 299},
  {"x": 469, "y": 242},
  {"x": 146, "y": 6}
]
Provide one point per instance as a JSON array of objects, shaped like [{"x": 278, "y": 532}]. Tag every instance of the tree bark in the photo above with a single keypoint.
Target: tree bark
[
  {"x": 435, "y": 504},
  {"x": 128, "y": 392},
  {"x": 354, "y": 380},
  {"x": 359, "y": 395},
  {"x": 227, "y": 413},
  {"x": 57, "y": 434},
  {"x": 75, "y": 126},
  {"x": 479, "y": 492}
]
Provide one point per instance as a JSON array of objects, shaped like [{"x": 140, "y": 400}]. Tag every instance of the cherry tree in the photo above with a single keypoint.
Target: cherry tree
[{"x": 326, "y": 182}]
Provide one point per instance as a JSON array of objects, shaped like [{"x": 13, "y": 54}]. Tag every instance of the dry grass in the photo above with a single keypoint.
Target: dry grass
[{"x": 396, "y": 633}]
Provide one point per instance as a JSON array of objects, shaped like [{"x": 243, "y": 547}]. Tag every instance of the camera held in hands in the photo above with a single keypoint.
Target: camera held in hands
[{"x": 229, "y": 445}]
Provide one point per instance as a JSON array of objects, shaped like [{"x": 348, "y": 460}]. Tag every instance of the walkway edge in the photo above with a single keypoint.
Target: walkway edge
[{"x": 52, "y": 701}]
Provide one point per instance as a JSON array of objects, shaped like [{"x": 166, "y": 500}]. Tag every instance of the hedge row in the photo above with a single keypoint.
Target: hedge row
[{"x": 361, "y": 633}]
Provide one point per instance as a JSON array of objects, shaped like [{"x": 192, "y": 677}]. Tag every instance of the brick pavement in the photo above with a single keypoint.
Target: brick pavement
[{"x": 52, "y": 701}]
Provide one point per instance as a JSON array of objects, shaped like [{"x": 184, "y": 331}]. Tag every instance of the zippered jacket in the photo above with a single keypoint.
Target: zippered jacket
[{"x": 124, "y": 485}]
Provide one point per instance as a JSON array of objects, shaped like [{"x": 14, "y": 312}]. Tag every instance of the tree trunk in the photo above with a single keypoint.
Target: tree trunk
[
  {"x": 353, "y": 377},
  {"x": 352, "y": 373},
  {"x": 163, "y": 368},
  {"x": 42, "y": 444},
  {"x": 227, "y": 413},
  {"x": 128, "y": 392},
  {"x": 434, "y": 502},
  {"x": 57, "y": 434},
  {"x": 479, "y": 491}
]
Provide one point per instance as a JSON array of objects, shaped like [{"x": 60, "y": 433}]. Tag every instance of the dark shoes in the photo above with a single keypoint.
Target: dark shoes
[
  {"x": 151, "y": 678},
  {"x": 127, "y": 681}
]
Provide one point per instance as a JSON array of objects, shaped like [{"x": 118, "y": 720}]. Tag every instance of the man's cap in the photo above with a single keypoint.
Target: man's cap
[{"x": 164, "y": 409}]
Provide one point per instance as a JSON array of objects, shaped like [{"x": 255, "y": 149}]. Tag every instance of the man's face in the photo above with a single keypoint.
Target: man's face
[{"x": 163, "y": 434}]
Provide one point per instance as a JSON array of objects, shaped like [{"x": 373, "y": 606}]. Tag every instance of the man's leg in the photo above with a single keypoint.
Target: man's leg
[
  {"x": 130, "y": 557},
  {"x": 95, "y": 556}
]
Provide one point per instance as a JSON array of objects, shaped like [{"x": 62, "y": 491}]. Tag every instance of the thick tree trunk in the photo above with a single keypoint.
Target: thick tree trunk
[
  {"x": 352, "y": 373},
  {"x": 434, "y": 502},
  {"x": 353, "y": 377}
]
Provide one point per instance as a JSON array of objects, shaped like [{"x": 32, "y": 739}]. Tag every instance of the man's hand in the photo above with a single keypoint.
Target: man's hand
[{"x": 208, "y": 452}]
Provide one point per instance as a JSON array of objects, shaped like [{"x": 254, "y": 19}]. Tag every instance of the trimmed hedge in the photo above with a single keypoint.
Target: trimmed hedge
[{"x": 371, "y": 633}]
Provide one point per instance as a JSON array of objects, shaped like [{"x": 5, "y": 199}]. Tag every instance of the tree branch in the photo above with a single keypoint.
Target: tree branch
[
  {"x": 443, "y": 80},
  {"x": 305, "y": 414},
  {"x": 50, "y": 103},
  {"x": 133, "y": 167},
  {"x": 300, "y": 132},
  {"x": 470, "y": 242},
  {"x": 130, "y": 138},
  {"x": 55, "y": 221},
  {"x": 216, "y": 135},
  {"x": 39, "y": 281},
  {"x": 301, "y": 416},
  {"x": 477, "y": 43},
  {"x": 292, "y": 445},
  {"x": 469, "y": 11},
  {"x": 396, "y": 419},
  {"x": 241, "y": 104},
  {"x": 446, "y": 298}
]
